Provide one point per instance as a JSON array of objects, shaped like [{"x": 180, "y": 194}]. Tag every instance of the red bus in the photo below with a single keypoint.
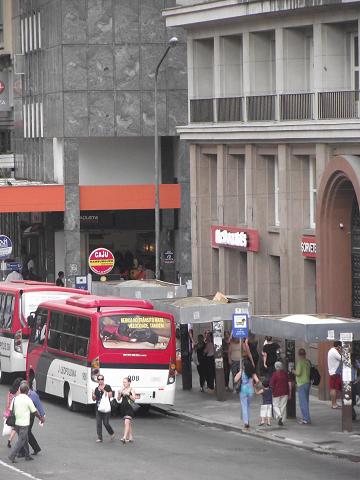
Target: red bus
[
  {"x": 73, "y": 340},
  {"x": 17, "y": 300}
]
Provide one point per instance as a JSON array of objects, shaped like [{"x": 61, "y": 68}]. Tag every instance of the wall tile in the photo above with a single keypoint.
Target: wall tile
[
  {"x": 127, "y": 113},
  {"x": 101, "y": 114},
  {"x": 100, "y": 67},
  {"x": 126, "y": 20},
  {"x": 127, "y": 67},
  {"x": 76, "y": 121},
  {"x": 100, "y": 21}
]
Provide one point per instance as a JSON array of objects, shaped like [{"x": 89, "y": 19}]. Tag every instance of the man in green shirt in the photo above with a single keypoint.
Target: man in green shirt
[
  {"x": 23, "y": 406},
  {"x": 302, "y": 374}
]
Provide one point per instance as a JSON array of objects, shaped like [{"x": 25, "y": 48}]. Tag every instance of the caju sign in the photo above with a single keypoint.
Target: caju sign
[
  {"x": 101, "y": 261},
  {"x": 244, "y": 239},
  {"x": 308, "y": 246}
]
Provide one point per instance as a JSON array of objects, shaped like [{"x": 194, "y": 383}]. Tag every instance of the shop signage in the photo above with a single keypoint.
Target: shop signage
[
  {"x": 81, "y": 282},
  {"x": 240, "y": 327},
  {"x": 244, "y": 239},
  {"x": 101, "y": 261},
  {"x": 168, "y": 257},
  {"x": 308, "y": 246},
  {"x": 4, "y": 91},
  {"x": 5, "y": 246},
  {"x": 14, "y": 266}
]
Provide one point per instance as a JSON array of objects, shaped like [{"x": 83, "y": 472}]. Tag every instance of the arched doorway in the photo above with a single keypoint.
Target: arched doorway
[{"x": 338, "y": 235}]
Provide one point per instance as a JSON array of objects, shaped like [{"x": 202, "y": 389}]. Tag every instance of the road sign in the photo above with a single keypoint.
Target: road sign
[
  {"x": 101, "y": 261},
  {"x": 240, "y": 328},
  {"x": 168, "y": 257},
  {"x": 81, "y": 282},
  {"x": 5, "y": 246},
  {"x": 14, "y": 266}
]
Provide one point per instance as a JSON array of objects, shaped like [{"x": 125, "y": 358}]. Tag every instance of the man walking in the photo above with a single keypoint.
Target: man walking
[
  {"x": 39, "y": 407},
  {"x": 23, "y": 407},
  {"x": 334, "y": 362}
]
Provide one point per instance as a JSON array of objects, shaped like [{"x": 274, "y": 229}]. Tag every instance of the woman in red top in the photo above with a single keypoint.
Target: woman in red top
[{"x": 281, "y": 390}]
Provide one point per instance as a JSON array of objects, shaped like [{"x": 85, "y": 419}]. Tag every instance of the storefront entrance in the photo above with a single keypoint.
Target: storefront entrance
[{"x": 355, "y": 258}]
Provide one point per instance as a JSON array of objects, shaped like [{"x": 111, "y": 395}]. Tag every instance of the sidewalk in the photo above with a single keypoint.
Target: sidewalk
[{"x": 323, "y": 436}]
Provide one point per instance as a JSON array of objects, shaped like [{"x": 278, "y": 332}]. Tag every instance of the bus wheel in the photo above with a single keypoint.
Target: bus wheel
[{"x": 68, "y": 398}]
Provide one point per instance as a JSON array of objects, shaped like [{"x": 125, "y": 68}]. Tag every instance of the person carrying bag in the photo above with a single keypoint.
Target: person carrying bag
[{"x": 102, "y": 395}]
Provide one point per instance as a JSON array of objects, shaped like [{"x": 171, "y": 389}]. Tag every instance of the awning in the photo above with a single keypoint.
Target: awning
[
  {"x": 201, "y": 309},
  {"x": 27, "y": 196},
  {"x": 145, "y": 289},
  {"x": 306, "y": 328}
]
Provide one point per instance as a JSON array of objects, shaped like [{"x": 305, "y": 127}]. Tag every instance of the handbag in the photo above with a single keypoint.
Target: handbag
[
  {"x": 11, "y": 419},
  {"x": 104, "y": 405},
  {"x": 6, "y": 429}
]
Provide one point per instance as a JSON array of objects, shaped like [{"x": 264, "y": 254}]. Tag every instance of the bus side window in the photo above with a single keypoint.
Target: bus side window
[
  {"x": 8, "y": 311},
  {"x": 82, "y": 336},
  {"x": 2, "y": 301},
  {"x": 54, "y": 335},
  {"x": 40, "y": 326}
]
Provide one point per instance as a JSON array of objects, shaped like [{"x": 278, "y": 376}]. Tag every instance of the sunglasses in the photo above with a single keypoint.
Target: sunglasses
[{"x": 99, "y": 379}]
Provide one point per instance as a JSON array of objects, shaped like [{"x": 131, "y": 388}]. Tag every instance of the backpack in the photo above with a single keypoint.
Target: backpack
[{"x": 315, "y": 376}]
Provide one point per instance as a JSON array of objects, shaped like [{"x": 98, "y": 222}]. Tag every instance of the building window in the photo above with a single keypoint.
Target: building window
[
  {"x": 312, "y": 191},
  {"x": 203, "y": 68},
  {"x": 276, "y": 192}
]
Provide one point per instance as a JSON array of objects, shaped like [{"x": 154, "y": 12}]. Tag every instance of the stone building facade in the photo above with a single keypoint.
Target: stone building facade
[{"x": 85, "y": 118}]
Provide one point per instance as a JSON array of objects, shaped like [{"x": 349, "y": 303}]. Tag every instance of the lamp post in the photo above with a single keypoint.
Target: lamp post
[{"x": 172, "y": 43}]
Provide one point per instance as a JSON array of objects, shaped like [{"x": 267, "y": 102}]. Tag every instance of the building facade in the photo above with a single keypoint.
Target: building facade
[
  {"x": 85, "y": 130},
  {"x": 273, "y": 128}
]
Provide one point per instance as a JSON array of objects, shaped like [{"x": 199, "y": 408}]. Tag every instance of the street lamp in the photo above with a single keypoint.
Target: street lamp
[{"x": 172, "y": 43}]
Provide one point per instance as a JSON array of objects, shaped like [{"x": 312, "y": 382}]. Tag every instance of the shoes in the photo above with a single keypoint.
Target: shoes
[
  {"x": 211, "y": 391},
  {"x": 20, "y": 455},
  {"x": 247, "y": 426},
  {"x": 337, "y": 407},
  {"x": 12, "y": 460},
  {"x": 98, "y": 440},
  {"x": 28, "y": 459},
  {"x": 268, "y": 424},
  {"x": 202, "y": 389},
  {"x": 123, "y": 440},
  {"x": 9, "y": 444},
  {"x": 303, "y": 422},
  {"x": 112, "y": 437},
  {"x": 35, "y": 452},
  {"x": 280, "y": 422}
]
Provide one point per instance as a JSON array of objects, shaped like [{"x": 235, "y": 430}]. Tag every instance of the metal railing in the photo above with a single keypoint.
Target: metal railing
[{"x": 277, "y": 107}]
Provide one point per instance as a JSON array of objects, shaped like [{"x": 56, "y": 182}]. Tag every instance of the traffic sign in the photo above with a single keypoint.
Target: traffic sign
[
  {"x": 240, "y": 328},
  {"x": 101, "y": 261},
  {"x": 81, "y": 282},
  {"x": 168, "y": 257},
  {"x": 5, "y": 246},
  {"x": 14, "y": 266}
]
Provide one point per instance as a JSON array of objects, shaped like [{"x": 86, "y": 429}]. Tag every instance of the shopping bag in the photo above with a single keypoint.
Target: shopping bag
[
  {"x": 104, "y": 405},
  {"x": 6, "y": 429}
]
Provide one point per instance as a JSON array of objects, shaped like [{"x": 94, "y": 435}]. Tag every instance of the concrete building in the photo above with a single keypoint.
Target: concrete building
[
  {"x": 273, "y": 127},
  {"x": 85, "y": 132}
]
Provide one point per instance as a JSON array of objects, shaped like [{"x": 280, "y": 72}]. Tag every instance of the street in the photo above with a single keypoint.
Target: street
[{"x": 164, "y": 448}]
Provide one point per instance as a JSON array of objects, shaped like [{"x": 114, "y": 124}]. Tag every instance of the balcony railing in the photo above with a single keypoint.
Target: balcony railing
[{"x": 277, "y": 107}]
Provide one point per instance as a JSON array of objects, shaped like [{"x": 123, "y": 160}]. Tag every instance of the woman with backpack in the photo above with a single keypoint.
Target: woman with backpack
[{"x": 302, "y": 374}]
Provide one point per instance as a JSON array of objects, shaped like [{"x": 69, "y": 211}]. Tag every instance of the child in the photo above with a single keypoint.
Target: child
[{"x": 266, "y": 406}]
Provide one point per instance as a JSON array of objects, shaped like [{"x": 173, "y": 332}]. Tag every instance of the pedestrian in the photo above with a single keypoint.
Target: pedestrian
[
  {"x": 270, "y": 355},
  {"x": 209, "y": 354},
  {"x": 225, "y": 355},
  {"x": 253, "y": 349},
  {"x": 234, "y": 356},
  {"x": 60, "y": 279},
  {"x": 102, "y": 417},
  {"x": 13, "y": 391},
  {"x": 23, "y": 407},
  {"x": 302, "y": 375},
  {"x": 266, "y": 404},
  {"x": 39, "y": 407},
  {"x": 199, "y": 348},
  {"x": 247, "y": 376},
  {"x": 281, "y": 391},
  {"x": 334, "y": 369},
  {"x": 126, "y": 397}
]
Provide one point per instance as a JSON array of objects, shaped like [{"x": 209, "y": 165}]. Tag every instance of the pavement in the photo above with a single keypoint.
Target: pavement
[{"x": 323, "y": 436}]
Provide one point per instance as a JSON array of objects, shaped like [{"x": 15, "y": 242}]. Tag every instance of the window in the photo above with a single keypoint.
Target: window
[
  {"x": 136, "y": 332},
  {"x": 69, "y": 333},
  {"x": 355, "y": 64},
  {"x": 38, "y": 331},
  {"x": 276, "y": 192},
  {"x": 203, "y": 69},
  {"x": 6, "y": 311},
  {"x": 312, "y": 191}
]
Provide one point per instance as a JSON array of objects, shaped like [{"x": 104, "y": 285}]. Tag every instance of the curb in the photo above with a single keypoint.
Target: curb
[{"x": 284, "y": 441}]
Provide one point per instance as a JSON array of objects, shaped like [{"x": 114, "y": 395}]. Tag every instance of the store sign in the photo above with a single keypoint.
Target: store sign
[
  {"x": 168, "y": 257},
  {"x": 4, "y": 91},
  {"x": 244, "y": 239},
  {"x": 240, "y": 326},
  {"x": 101, "y": 261},
  {"x": 308, "y": 247},
  {"x": 5, "y": 246}
]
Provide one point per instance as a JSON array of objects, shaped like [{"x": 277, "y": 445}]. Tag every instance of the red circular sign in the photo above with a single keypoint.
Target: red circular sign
[
  {"x": 2, "y": 86},
  {"x": 101, "y": 261}
]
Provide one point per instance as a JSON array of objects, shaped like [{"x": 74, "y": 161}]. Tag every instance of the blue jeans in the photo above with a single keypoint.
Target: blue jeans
[
  {"x": 303, "y": 392},
  {"x": 245, "y": 406}
]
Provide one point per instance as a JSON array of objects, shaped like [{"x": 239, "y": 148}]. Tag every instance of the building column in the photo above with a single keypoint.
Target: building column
[
  {"x": 221, "y": 165},
  {"x": 318, "y": 65},
  {"x": 195, "y": 254},
  {"x": 71, "y": 211},
  {"x": 285, "y": 225},
  {"x": 250, "y": 168}
]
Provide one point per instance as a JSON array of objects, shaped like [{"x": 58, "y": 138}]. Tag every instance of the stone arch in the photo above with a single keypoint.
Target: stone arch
[{"x": 340, "y": 185}]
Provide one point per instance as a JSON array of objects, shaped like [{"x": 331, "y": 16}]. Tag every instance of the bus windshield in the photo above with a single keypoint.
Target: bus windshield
[
  {"x": 140, "y": 332},
  {"x": 31, "y": 300}
]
